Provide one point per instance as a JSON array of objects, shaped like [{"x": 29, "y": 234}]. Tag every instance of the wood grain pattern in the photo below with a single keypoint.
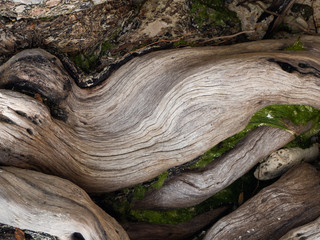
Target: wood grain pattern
[
  {"x": 44, "y": 203},
  {"x": 155, "y": 112},
  {"x": 193, "y": 187},
  {"x": 310, "y": 231},
  {"x": 292, "y": 201}
]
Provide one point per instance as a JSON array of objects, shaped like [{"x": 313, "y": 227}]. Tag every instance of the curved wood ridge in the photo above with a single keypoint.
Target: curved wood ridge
[
  {"x": 193, "y": 187},
  {"x": 155, "y": 112},
  {"x": 292, "y": 201},
  {"x": 44, "y": 203}
]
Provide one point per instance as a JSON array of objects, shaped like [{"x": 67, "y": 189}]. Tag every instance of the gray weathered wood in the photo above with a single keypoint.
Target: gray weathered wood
[
  {"x": 310, "y": 231},
  {"x": 191, "y": 188},
  {"x": 290, "y": 202},
  {"x": 44, "y": 203},
  {"x": 155, "y": 112}
]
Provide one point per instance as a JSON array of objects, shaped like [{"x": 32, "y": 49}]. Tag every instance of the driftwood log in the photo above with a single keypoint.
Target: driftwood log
[
  {"x": 292, "y": 201},
  {"x": 191, "y": 188},
  {"x": 310, "y": 231},
  {"x": 149, "y": 231},
  {"x": 155, "y": 112},
  {"x": 44, "y": 203}
]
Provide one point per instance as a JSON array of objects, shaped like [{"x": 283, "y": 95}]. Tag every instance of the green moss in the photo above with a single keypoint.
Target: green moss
[
  {"x": 297, "y": 46},
  {"x": 228, "y": 196},
  {"x": 180, "y": 43},
  {"x": 106, "y": 46},
  {"x": 274, "y": 115},
  {"x": 161, "y": 180},
  {"x": 140, "y": 190},
  {"x": 219, "y": 149},
  {"x": 85, "y": 62},
  {"x": 211, "y": 12},
  {"x": 277, "y": 115}
]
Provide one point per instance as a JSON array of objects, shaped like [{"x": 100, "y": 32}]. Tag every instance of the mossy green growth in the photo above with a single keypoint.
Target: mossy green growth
[
  {"x": 228, "y": 196},
  {"x": 85, "y": 62},
  {"x": 161, "y": 179},
  {"x": 277, "y": 115},
  {"x": 274, "y": 115},
  {"x": 297, "y": 46},
  {"x": 180, "y": 43},
  {"x": 106, "y": 46},
  {"x": 219, "y": 149},
  {"x": 211, "y": 12},
  {"x": 246, "y": 185}
]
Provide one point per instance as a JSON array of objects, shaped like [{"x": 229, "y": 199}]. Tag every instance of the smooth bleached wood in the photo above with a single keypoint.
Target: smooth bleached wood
[
  {"x": 193, "y": 187},
  {"x": 155, "y": 112},
  {"x": 292, "y": 201},
  {"x": 49, "y": 204}
]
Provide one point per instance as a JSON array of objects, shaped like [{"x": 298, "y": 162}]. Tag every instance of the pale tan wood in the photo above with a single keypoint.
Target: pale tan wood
[
  {"x": 193, "y": 187},
  {"x": 44, "y": 203},
  {"x": 155, "y": 112},
  {"x": 292, "y": 201}
]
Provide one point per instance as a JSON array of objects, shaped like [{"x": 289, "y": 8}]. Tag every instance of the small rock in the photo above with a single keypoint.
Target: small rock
[{"x": 280, "y": 161}]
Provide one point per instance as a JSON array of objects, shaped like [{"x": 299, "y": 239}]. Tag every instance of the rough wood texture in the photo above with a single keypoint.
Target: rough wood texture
[
  {"x": 310, "y": 231},
  {"x": 44, "y": 203},
  {"x": 292, "y": 201},
  {"x": 74, "y": 32},
  {"x": 148, "y": 231},
  {"x": 191, "y": 188},
  {"x": 155, "y": 112}
]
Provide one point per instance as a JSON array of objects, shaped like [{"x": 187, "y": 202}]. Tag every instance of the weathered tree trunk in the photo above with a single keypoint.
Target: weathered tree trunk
[
  {"x": 191, "y": 188},
  {"x": 40, "y": 202},
  {"x": 155, "y": 112},
  {"x": 292, "y": 201}
]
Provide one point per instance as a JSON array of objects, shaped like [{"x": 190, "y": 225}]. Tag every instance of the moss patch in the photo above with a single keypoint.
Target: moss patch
[
  {"x": 106, "y": 46},
  {"x": 297, "y": 46},
  {"x": 275, "y": 116},
  {"x": 85, "y": 62},
  {"x": 119, "y": 204},
  {"x": 211, "y": 12}
]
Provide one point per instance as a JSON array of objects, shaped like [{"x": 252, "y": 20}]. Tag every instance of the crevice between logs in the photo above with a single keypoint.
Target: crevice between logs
[
  {"x": 292, "y": 201},
  {"x": 193, "y": 187}
]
